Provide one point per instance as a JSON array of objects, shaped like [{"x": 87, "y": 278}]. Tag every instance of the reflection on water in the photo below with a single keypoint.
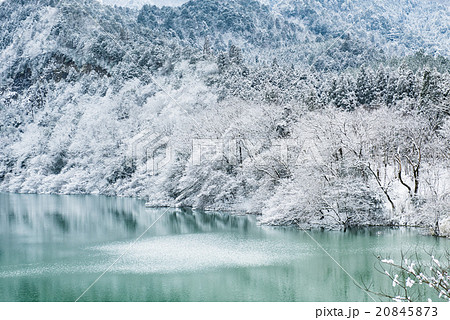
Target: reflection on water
[{"x": 53, "y": 247}]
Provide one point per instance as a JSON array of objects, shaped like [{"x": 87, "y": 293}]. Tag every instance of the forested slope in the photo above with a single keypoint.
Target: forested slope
[{"x": 326, "y": 122}]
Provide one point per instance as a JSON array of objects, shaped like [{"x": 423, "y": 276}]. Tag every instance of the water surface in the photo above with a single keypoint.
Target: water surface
[{"x": 53, "y": 247}]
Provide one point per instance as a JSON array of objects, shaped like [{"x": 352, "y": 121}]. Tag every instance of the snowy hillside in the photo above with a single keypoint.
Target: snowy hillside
[
  {"x": 327, "y": 113},
  {"x": 395, "y": 28}
]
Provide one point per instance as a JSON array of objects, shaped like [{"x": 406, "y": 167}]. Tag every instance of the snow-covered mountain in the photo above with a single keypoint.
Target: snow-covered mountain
[
  {"x": 397, "y": 27},
  {"x": 365, "y": 81},
  {"x": 406, "y": 25}
]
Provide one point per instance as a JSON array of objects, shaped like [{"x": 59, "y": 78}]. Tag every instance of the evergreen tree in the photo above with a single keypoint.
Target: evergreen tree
[
  {"x": 206, "y": 47},
  {"x": 235, "y": 54},
  {"x": 364, "y": 87},
  {"x": 222, "y": 62}
]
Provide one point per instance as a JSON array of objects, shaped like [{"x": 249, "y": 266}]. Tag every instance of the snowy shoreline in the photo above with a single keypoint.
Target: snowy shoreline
[{"x": 424, "y": 230}]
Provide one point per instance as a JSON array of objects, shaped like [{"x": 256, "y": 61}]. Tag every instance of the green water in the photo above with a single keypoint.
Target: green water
[{"x": 53, "y": 247}]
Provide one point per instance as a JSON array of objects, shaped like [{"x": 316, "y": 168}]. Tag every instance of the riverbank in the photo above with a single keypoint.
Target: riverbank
[
  {"x": 319, "y": 223},
  {"x": 333, "y": 169}
]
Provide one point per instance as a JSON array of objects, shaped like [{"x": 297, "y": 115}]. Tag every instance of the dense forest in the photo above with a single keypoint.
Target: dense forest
[{"x": 327, "y": 114}]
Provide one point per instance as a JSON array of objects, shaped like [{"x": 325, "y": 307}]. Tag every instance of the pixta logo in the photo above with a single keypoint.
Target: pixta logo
[
  {"x": 289, "y": 151},
  {"x": 150, "y": 150}
]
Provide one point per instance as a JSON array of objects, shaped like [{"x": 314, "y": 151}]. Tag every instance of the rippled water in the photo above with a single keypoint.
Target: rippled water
[{"x": 53, "y": 247}]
